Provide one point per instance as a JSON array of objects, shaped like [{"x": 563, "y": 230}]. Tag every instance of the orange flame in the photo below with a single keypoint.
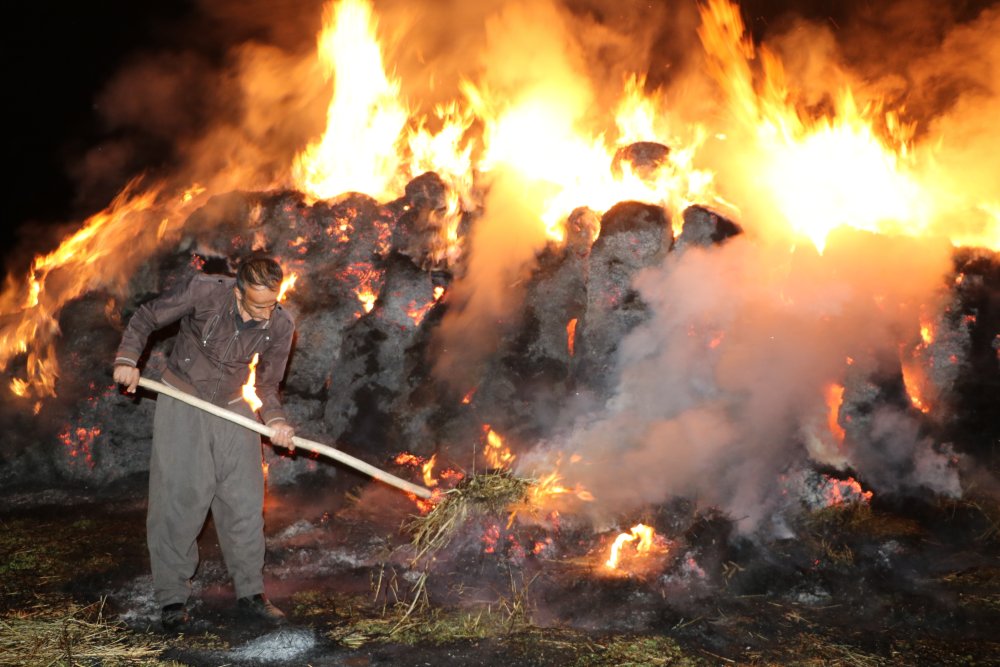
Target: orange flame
[
  {"x": 367, "y": 297},
  {"x": 417, "y": 314},
  {"x": 641, "y": 532},
  {"x": 854, "y": 166},
  {"x": 367, "y": 278},
  {"x": 915, "y": 381},
  {"x": 428, "y": 470},
  {"x": 407, "y": 459},
  {"x": 287, "y": 284},
  {"x": 250, "y": 389},
  {"x": 841, "y": 491},
  {"x": 496, "y": 453},
  {"x": 834, "y": 395},
  {"x": 425, "y": 505},
  {"x": 571, "y": 336},
  {"x": 551, "y": 486},
  {"x": 926, "y": 333},
  {"x": 365, "y": 118},
  {"x": 89, "y": 259}
]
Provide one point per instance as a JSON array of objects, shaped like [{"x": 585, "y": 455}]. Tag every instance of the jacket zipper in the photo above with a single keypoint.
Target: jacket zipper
[
  {"x": 209, "y": 328},
  {"x": 222, "y": 361}
]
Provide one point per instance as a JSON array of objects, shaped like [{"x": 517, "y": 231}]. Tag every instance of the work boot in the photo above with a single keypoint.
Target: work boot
[
  {"x": 260, "y": 607},
  {"x": 174, "y": 617}
]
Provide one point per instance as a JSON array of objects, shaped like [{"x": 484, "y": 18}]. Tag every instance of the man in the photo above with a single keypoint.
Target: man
[{"x": 200, "y": 461}]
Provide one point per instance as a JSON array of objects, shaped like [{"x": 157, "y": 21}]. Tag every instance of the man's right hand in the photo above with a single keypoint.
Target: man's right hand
[{"x": 127, "y": 376}]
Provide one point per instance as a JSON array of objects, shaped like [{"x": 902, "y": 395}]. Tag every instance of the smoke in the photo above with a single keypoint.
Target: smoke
[
  {"x": 436, "y": 45},
  {"x": 964, "y": 157},
  {"x": 231, "y": 110},
  {"x": 230, "y": 122},
  {"x": 717, "y": 390},
  {"x": 482, "y": 303},
  {"x": 531, "y": 67},
  {"x": 714, "y": 390}
]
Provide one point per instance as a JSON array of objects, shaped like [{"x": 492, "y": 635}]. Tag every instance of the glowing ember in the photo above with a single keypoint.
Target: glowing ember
[
  {"x": 571, "y": 336},
  {"x": 840, "y": 491},
  {"x": 79, "y": 442},
  {"x": 640, "y": 534},
  {"x": 250, "y": 389},
  {"x": 417, "y": 313},
  {"x": 367, "y": 279},
  {"x": 408, "y": 459}
]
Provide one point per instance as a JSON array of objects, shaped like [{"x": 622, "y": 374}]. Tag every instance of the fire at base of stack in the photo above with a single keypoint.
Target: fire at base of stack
[
  {"x": 651, "y": 490},
  {"x": 661, "y": 427}
]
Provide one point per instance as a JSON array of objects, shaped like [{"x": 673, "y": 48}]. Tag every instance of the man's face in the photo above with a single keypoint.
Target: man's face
[{"x": 256, "y": 302}]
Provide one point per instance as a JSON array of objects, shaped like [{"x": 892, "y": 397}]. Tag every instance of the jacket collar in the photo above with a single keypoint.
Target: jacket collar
[{"x": 235, "y": 310}]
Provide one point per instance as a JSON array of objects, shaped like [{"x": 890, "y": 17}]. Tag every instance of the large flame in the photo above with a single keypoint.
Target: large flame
[
  {"x": 96, "y": 257},
  {"x": 854, "y": 165},
  {"x": 853, "y": 162},
  {"x": 358, "y": 151}
]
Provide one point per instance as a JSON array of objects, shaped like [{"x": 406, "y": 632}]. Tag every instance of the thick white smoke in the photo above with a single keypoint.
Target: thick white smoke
[{"x": 718, "y": 385}]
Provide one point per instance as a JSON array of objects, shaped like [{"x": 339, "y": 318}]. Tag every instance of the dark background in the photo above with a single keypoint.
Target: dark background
[{"x": 59, "y": 55}]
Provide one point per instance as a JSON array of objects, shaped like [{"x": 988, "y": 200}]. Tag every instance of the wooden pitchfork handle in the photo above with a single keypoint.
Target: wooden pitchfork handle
[{"x": 254, "y": 425}]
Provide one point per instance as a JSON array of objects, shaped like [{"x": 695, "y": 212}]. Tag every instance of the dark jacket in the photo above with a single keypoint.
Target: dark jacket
[{"x": 211, "y": 355}]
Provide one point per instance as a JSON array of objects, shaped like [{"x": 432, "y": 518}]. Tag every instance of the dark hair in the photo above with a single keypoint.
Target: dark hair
[{"x": 260, "y": 272}]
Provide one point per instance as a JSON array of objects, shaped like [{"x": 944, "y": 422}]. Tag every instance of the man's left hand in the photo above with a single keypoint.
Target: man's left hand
[{"x": 282, "y": 435}]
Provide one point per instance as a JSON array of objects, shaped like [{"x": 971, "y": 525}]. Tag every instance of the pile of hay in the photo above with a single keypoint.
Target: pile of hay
[
  {"x": 479, "y": 495},
  {"x": 75, "y": 636}
]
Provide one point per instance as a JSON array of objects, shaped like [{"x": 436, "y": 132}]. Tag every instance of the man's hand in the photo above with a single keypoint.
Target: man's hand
[
  {"x": 283, "y": 434},
  {"x": 127, "y": 376}
]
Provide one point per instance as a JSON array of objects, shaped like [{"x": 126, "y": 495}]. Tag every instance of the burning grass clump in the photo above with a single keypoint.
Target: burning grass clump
[
  {"x": 491, "y": 493},
  {"x": 76, "y": 636}
]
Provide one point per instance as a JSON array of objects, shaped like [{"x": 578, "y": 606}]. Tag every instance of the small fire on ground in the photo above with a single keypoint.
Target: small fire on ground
[{"x": 633, "y": 550}]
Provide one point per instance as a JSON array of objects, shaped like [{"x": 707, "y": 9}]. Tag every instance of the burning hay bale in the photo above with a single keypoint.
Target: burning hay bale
[{"x": 488, "y": 494}]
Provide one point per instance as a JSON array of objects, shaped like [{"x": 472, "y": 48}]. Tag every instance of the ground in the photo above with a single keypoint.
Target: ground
[{"x": 900, "y": 582}]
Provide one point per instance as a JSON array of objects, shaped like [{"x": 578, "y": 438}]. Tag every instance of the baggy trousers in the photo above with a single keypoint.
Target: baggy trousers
[{"x": 200, "y": 462}]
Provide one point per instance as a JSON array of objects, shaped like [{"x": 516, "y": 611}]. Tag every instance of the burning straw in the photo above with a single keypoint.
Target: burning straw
[{"x": 487, "y": 494}]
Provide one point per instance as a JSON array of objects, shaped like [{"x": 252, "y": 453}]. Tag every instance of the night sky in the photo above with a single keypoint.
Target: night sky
[{"x": 59, "y": 55}]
